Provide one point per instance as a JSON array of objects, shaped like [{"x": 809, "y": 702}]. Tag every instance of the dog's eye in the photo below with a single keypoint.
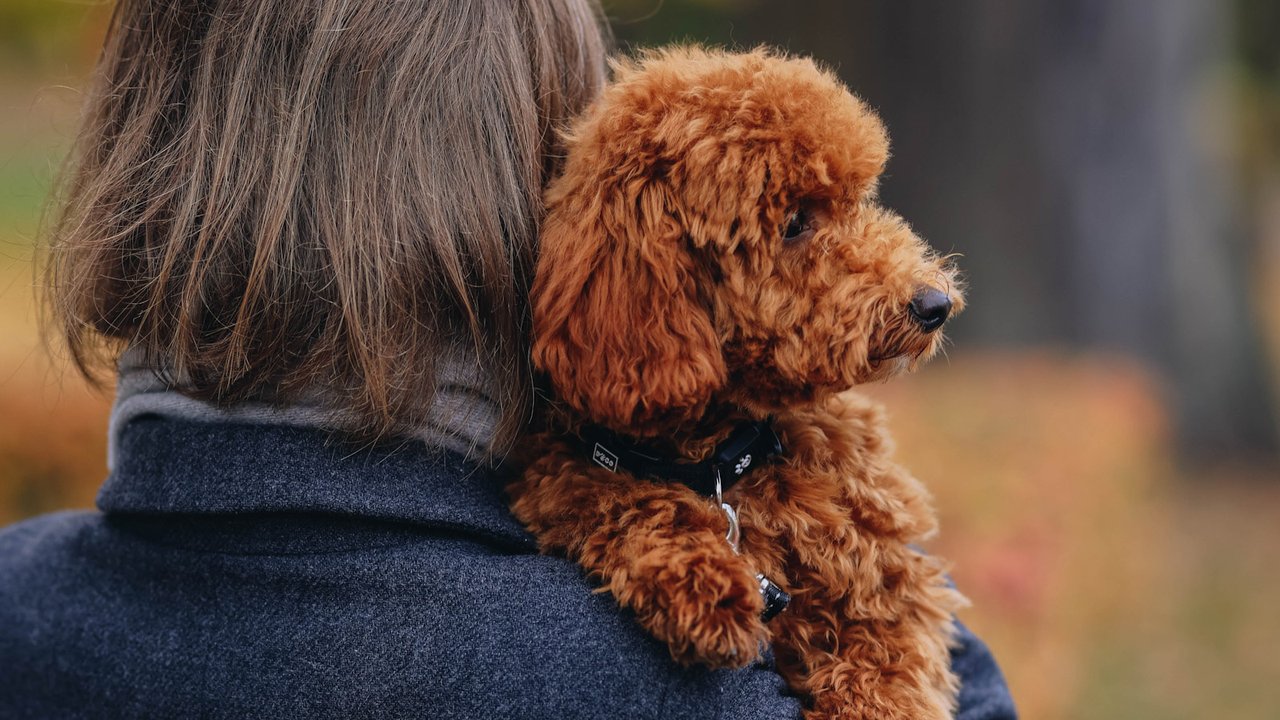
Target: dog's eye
[{"x": 798, "y": 225}]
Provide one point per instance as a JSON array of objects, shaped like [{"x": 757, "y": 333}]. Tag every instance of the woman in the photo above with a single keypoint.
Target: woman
[{"x": 305, "y": 229}]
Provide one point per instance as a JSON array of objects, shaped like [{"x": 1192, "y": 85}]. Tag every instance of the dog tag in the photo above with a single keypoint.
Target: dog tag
[
  {"x": 735, "y": 531},
  {"x": 775, "y": 598}
]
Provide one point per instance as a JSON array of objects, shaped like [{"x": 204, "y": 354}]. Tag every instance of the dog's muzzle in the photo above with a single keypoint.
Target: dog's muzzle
[{"x": 929, "y": 307}]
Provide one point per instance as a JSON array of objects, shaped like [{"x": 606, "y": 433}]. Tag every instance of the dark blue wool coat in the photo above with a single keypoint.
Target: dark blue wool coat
[{"x": 256, "y": 571}]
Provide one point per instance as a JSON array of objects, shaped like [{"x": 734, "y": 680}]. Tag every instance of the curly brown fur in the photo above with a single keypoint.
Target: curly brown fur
[{"x": 714, "y": 252}]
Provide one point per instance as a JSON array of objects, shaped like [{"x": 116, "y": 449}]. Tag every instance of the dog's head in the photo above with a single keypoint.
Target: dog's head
[{"x": 715, "y": 237}]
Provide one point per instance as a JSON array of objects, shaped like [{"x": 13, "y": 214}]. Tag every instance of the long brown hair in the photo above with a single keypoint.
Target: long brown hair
[{"x": 272, "y": 196}]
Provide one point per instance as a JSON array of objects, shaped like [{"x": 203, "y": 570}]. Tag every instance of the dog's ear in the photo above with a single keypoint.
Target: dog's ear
[{"x": 618, "y": 325}]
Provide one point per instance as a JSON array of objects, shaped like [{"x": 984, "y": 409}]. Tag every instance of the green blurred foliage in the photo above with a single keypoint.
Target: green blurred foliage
[
  {"x": 643, "y": 22},
  {"x": 1257, "y": 39},
  {"x": 49, "y": 33}
]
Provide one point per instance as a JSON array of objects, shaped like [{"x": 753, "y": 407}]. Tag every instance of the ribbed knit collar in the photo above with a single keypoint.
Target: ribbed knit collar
[{"x": 462, "y": 418}]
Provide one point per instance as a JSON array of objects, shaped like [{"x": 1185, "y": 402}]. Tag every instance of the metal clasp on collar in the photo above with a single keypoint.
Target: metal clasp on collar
[
  {"x": 734, "y": 536},
  {"x": 775, "y": 598}
]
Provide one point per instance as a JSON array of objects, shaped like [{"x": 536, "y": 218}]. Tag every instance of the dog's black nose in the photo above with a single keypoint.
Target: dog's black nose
[{"x": 930, "y": 308}]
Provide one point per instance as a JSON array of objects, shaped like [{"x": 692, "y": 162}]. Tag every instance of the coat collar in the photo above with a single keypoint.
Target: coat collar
[{"x": 170, "y": 466}]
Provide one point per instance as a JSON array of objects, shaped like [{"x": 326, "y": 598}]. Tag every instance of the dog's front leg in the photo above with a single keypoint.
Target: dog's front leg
[
  {"x": 876, "y": 669},
  {"x": 866, "y": 634},
  {"x": 868, "y": 653},
  {"x": 659, "y": 549}
]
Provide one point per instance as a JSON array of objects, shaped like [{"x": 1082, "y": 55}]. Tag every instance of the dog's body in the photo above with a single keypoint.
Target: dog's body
[{"x": 713, "y": 254}]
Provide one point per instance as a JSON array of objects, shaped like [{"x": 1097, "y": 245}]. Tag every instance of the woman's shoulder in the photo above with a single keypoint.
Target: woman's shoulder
[
  {"x": 569, "y": 645},
  {"x": 32, "y": 551},
  {"x": 515, "y": 626},
  {"x": 220, "y": 621}
]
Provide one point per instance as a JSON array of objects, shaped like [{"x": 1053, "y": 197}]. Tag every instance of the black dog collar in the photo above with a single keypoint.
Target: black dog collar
[{"x": 749, "y": 445}]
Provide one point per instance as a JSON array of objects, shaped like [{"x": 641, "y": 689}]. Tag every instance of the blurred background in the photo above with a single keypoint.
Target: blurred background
[{"x": 1102, "y": 437}]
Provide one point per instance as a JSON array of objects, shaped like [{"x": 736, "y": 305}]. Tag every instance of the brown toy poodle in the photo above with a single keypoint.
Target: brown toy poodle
[{"x": 715, "y": 275}]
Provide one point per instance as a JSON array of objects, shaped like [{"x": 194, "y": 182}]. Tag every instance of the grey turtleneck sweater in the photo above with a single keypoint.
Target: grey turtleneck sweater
[{"x": 462, "y": 418}]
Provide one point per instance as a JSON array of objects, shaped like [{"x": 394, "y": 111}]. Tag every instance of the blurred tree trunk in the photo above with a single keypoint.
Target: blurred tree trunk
[{"x": 1066, "y": 148}]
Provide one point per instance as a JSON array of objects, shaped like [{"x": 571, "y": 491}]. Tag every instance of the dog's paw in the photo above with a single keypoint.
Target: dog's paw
[
  {"x": 865, "y": 693},
  {"x": 706, "y": 607},
  {"x": 863, "y": 711}
]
